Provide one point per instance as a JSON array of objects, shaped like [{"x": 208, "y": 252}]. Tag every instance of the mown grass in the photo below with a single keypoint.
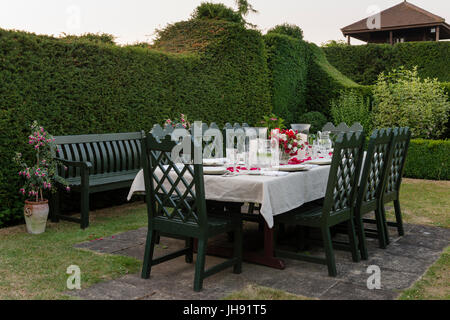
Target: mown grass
[{"x": 34, "y": 267}]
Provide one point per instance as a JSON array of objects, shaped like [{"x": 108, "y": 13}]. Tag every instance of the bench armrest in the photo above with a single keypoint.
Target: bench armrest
[{"x": 77, "y": 164}]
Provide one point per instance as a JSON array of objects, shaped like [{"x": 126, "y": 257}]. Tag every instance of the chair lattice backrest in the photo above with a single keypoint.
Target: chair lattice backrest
[
  {"x": 400, "y": 145},
  {"x": 174, "y": 191},
  {"x": 374, "y": 172},
  {"x": 344, "y": 174}
]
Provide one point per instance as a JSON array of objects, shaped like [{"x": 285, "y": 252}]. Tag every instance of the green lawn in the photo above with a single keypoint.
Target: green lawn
[{"x": 34, "y": 267}]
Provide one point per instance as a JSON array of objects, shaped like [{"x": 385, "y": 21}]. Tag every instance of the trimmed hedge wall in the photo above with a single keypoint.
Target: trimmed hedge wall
[
  {"x": 325, "y": 82},
  {"x": 82, "y": 87},
  {"x": 428, "y": 159},
  {"x": 364, "y": 63},
  {"x": 288, "y": 65}
]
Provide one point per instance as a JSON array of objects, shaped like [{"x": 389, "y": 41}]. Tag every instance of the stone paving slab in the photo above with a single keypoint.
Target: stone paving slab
[{"x": 404, "y": 261}]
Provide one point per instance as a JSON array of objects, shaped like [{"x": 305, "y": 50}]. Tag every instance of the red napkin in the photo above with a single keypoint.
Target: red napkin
[
  {"x": 298, "y": 161},
  {"x": 242, "y": 168}
]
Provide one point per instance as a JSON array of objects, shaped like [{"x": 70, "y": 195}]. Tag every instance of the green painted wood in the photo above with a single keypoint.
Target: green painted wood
[
  {"x": 97, "y": 163},
  {"x": 181, "y": 213},
  {"x": 338, "y": 205}
]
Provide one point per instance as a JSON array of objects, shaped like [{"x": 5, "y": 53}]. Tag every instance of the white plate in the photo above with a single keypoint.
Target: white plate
[
  {"x": 294, "y": 167},
  {"x": 321, "y": 162},
  {"x": 214, "y": 162},
  {"x": 214, "y": 170}
]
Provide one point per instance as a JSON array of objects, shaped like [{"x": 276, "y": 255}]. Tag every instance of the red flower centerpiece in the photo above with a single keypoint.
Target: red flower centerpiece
[{"x": 290, "y": 142}]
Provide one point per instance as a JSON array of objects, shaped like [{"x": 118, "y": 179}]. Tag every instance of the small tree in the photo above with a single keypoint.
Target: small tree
[{"x": 402, "y": 98}]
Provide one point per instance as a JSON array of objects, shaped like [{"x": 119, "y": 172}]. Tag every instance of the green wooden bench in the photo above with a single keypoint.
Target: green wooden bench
[{"x": 95, "y": 163}]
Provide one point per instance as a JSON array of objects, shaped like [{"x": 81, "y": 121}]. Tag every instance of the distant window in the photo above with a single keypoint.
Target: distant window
[{"x": 433, "y": 30}]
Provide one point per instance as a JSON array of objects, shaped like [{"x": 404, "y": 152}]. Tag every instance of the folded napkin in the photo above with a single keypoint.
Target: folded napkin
[
  {"x": 231, "y": 169},
  {"x": 298, "y": 161}
]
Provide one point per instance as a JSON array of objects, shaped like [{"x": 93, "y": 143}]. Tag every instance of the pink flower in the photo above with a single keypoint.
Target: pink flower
[{"x": 67, "y": 189}]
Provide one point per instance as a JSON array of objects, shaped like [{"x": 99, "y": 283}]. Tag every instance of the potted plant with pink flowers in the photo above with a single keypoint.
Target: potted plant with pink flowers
[
  {"x": 183, "y": 121},
  {"x": 39, "y": 179}
]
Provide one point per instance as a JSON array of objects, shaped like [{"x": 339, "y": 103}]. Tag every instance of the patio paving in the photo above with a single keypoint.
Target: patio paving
[{"x": 402, "y": 263}]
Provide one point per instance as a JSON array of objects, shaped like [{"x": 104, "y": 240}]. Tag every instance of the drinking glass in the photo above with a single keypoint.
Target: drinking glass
[
  {"x": 232, "y": 158},
  {"x": 264, "y": 154}
]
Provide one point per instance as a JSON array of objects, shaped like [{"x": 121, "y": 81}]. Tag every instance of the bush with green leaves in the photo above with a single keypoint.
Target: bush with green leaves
[
  {"x": 403, "y": 99},
  {"x": 352, "y": 107},
  {"x": 363, "y": 63},
  {"x": 217, "y": 11},
  {"x": 428, "y": 159},
  {"x": 85, "y": 87},
  {"x": 316, "y": 119},
  {"x": 290, "y": 30},
  {"x": 287, "y": 60}
]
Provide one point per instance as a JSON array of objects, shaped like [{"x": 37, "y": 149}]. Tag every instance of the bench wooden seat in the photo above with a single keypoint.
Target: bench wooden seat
[{"x": 95, "y": 163}]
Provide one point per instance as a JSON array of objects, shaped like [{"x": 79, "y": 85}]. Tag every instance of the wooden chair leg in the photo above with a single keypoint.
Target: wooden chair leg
[
  {"x": 237, "y": 250},
  {"x": 380, "y": 228},
  {"x": 200, "y": 264},
  {"x": 398, "y": 217},
  {"x": 353, "y": 241},
  {"x": 385, "y": 226},
  {"x": 148, "y": 254},
  {"x": 55, "y": 206},
  {"x": 157, "y": 237},
  {"x": 328, "y": 245},
  {"x": 190, "y": 255},
  {"x": 84, "y": 208},
  {"x": 361, "y": 238}
]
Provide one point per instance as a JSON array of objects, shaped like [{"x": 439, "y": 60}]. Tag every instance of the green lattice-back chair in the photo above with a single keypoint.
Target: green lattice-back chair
[
  {"x": 176, "y": 205},
  {"x": 400, "y": 146},
  {"x": 338, "y": 204},
  {"x": 371, "y": 188}
]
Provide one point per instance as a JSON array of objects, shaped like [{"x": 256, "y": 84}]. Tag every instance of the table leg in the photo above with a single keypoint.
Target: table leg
[{"x": 265, "y": 258}]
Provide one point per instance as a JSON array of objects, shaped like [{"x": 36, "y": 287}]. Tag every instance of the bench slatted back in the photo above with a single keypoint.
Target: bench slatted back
[{"x": 108, "y": 153}]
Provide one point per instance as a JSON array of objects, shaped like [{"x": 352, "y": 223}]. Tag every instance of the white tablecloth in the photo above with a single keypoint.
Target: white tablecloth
[{"x": 276, "y": 195}]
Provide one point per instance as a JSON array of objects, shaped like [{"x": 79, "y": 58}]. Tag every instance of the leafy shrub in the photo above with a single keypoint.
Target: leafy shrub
[
  {"x": 287, "y": 60},
  {"x": 428, "y": 159},
  {"x": 290, "y": 30},
  {"x": 82, "y": 87},
  {"x": 324, "y": 81},
  {"x": 92, "y": 37},
  {"x": 218, "y": 11},
  {"x": 316, "y": 119},
  {"x": 352, "y": 107},
  {"x": 364, "y": 63},
  {"x": 403, "y": 99}
]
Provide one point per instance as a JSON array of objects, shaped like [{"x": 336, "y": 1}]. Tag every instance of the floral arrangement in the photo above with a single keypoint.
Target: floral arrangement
[
  {"x": 183, "y": 121},
  {"x": 42, "y": 176},
  {"x": 290, "y": 141}
]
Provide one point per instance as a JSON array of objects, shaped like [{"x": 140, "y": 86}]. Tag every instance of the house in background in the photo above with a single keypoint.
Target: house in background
[{"x": 402, "y": 23}]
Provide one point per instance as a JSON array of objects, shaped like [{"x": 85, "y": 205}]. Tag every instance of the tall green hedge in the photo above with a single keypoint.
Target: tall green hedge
[
  {"x": 428, "y": 159},
  {"x": 288, "y": 65},
  {"x": 82, "y": 87},
  {"x": 364, "y": 63},
  {"x": 325, "y": 82}
]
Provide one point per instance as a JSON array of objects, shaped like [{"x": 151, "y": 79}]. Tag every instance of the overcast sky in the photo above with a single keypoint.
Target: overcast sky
[{"x": 136, "y": 20}]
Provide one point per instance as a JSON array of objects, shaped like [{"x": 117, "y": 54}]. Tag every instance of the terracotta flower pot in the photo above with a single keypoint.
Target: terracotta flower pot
[{"x": 36, "y": 214}]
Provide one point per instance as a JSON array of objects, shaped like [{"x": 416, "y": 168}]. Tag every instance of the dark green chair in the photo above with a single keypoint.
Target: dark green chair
[
  {"x": 371, "y": 188},
  {"x": 400, "y": 145},
  {"x": 338, "y": 203},
  {"x": 176, "y": 205}
]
